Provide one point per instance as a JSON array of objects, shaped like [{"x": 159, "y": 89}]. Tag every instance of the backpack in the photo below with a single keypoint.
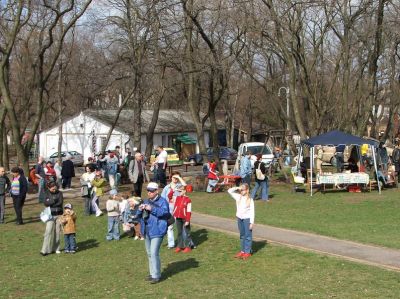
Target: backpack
[
  {"x": 259, "y": 175},
  {"x": 206, "y": 169}
]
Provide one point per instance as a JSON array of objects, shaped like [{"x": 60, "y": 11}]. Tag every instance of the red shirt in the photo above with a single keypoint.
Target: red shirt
[
  {"x": 212, "y": 167},
  {"x": 183, "y": 208}
]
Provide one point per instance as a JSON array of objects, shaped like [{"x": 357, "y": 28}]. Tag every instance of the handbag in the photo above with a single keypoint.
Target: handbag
[
  {"x": 259, "y": 175},
  {"x": 85, "y": 191},
  {"x": 45, "y": 215}
]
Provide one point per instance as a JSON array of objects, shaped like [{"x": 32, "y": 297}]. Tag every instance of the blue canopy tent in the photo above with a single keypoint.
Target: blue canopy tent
[{"x": 335, "y": 138}]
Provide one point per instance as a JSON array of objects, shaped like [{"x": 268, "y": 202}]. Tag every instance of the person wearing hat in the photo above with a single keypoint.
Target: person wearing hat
[
  {"x": 68, "y": 220},
  {"x": 153, "y": 215}
]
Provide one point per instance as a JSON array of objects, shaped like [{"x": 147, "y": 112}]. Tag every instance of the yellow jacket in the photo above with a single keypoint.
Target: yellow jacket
[{"x": 98, "y": 185}]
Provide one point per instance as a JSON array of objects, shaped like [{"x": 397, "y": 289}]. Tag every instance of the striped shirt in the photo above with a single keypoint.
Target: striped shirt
[{"x": 15, "y": 187}]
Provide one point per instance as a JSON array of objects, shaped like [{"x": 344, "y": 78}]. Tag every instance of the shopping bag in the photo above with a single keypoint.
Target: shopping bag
[{"x": 45, "y": 215}]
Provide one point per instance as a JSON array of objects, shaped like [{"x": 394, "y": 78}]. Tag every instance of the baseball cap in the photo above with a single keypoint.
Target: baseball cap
[
  {"x": 152, "y": 187},
  {"x": 113, "y": 192},
  {"x": 68, "y": 206}
]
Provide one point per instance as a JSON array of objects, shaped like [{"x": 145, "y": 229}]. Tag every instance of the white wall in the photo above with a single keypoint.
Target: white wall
[{"x": 77, "y": 137}]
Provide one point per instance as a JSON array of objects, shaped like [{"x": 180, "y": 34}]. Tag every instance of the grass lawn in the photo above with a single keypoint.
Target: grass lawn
[
  {"x": 363, "y": 217},
  {"x": 117, "y": 269}
]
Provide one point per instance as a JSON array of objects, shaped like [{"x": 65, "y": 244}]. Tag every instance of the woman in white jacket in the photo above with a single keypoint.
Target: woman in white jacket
[{"x": 245, "y": 218}]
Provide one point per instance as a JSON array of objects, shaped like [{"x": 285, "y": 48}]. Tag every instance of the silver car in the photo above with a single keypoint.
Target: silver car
[{"x": 76, "y": 157}]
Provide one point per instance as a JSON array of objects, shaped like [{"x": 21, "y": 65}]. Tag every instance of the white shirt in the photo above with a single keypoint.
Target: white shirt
[
  {"x": 243, "y": 211},
  {"x": 162, "y": 157}
]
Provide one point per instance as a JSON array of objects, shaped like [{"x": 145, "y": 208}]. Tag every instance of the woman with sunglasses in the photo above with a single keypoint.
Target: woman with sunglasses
[
  {"x": 153, "y": 215},
  {"x": 245, "y": 218}
]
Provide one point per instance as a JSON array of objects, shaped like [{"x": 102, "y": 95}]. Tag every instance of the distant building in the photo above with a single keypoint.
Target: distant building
[{"x": 87, "y": 131}]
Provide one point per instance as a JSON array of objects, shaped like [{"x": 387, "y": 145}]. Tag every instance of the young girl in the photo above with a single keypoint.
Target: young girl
[
  {"x": 112, "y": 206},
  {"x": 245, "y": 218},
  {"x": 170, "y": 192},
  {"x": 212, "y": 176},
  {"x": 98, "y": 190},
  {"x": 182, "y": 213}
]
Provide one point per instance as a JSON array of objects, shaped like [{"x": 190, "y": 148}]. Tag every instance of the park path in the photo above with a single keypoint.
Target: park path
[
  {"x": 362, "y": 253},
  {"x": 366, "y": 254}
]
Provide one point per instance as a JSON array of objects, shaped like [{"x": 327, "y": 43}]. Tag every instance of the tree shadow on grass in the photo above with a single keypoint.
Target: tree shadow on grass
[
  {"x": 87, "y": 244},
  {"x": 31, "y": 220},
  {"x": 199, "y": 236},
  {"x": 258, "y": 245},
  {"x": 179, "y": 266}
]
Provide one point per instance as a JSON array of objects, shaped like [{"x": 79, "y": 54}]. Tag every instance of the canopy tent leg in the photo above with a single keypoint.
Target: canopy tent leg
[
  {"x": 376, "y": 169},
  {"x": 311, "y": 169}
]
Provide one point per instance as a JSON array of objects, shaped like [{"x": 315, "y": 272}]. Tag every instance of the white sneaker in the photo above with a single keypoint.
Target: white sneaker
[
  {"x": 58, "y": 251},
  {"x": 99, "y": 213},
  {"x": 141, "y": 239},
  {"x": 136, "y": 238}
]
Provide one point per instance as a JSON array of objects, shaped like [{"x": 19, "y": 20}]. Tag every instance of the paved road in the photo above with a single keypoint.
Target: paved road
[{"x": 365, "y": 254}]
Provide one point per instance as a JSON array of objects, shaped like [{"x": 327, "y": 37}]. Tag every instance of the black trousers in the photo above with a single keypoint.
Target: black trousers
[
  {"x": 18, "y": 202},
  {"x": 137, "y": 187},
  {"x": 66, "y": 182}
]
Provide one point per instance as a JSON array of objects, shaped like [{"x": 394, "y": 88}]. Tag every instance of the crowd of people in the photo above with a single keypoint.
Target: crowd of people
[{"x": 148, "y": 218}]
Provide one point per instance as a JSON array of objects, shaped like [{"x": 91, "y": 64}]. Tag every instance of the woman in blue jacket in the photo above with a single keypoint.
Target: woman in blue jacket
[{"x": 153, "y": 215}]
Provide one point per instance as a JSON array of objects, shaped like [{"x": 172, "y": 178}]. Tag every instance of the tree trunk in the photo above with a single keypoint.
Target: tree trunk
[
  {"x": 6, "y": 160},
  {"x": 2, "y": 129}
]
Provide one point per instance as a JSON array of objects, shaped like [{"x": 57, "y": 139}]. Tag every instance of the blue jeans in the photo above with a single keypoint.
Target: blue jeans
[
  {"x": 264, "y": 190},
  {"x": 153, "y": 253},
  {"x": 113, "y": 228},
  {"x": 246, "y": 235},
  {"x": 70, "y": 242},
  {"x": 246, "y": 179},
  {"x": 170, "y": 231}
]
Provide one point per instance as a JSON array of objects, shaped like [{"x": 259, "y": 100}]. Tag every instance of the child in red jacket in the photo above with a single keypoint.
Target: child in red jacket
[{"x": 182, "y": 213}]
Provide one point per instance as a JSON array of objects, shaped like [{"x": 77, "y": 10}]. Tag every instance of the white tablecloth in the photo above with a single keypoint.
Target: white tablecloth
[{"x": 343, "y": 178}]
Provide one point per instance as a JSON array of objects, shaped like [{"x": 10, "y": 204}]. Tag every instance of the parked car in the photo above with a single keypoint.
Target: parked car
[
  {"x": 225, "y": 153},
  {"x": 76, "y": 157},
  {"x": 255, "y": 148},
  {"x": 173, "y": 156}
]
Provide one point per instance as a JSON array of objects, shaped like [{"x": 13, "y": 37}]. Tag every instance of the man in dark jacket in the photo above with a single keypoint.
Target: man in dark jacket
[
  {"x": 67, "y": 172},
  {"x": 5, "y": 186},
  {"x": 19, "y": 187}
]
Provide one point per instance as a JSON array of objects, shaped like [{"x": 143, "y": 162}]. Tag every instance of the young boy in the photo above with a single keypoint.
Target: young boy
[
  {"x": 112, "y": 207},
  {"x": 68, "y": 220},
  {"x": 132, "y": 217},
  {"x": 182, "y": 213}
]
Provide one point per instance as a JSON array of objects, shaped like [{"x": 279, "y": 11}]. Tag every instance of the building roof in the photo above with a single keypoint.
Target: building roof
[{"x": 169, "y": 120}]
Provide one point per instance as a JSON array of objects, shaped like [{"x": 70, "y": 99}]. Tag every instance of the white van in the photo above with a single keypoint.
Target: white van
[{"x": 255, "y": 148}]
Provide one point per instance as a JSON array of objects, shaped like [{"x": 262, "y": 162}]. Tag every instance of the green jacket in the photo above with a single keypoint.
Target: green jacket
[{"x": 99, "y": 184}]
